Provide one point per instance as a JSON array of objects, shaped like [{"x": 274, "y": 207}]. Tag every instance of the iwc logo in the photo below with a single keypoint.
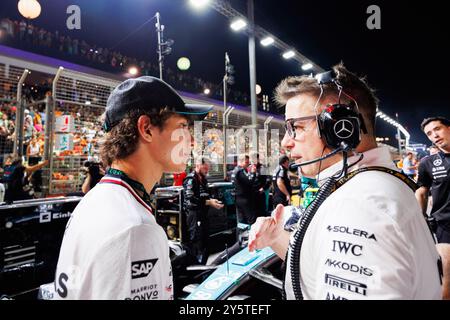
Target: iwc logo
[
  {"x": 343, "y": 129},
  {"x": 437, "y": 162}
]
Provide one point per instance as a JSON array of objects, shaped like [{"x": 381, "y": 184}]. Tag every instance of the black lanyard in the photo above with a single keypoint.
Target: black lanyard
[
  {"x": 136, "y": 185},
  {"x": 324, "y": 193}
]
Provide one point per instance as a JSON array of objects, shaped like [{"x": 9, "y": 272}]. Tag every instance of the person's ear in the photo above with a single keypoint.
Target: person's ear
[{"x": 145, "y": 128}]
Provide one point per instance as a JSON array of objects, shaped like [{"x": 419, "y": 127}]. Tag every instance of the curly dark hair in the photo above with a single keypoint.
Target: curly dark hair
[{"x": 122, "y": 140}]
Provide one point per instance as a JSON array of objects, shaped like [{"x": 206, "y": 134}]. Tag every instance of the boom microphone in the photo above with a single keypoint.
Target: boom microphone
[{"x": 343, "y": 148}]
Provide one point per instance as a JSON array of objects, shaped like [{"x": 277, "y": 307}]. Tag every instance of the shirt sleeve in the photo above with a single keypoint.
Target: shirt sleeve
[
  {"x": 424, "y": 179},
  {"x": 134, "y": 265}
]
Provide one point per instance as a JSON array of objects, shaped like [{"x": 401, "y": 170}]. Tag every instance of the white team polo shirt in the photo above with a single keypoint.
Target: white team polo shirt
[
  {"x": 368, "y": 240},
  {"x": 113, "y": 248}
]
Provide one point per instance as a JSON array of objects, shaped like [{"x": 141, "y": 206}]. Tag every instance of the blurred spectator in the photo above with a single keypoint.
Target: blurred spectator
[
  {"x": 33, "y": 151},
  {"x": 178, "y": 178},
  {"x": 410, "y": 165},
  {"x": 55, "y": 43},
  {"x": 17, "y": 178},
  {"x": 433, "y": 149}
]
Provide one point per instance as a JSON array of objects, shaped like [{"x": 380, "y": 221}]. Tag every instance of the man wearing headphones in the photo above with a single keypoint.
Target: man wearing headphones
[
  {"x": 112, "y": 247},
  {"x": 364, "y": 236}
]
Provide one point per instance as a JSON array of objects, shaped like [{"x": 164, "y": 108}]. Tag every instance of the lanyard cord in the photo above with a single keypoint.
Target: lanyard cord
[
  {"x": 330, "y": 186},
  {"x": 137, "y": 186}
]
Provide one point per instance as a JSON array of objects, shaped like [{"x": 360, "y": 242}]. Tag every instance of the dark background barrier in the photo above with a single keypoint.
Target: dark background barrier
[
  {"x": 222, "y": 223},
  {"x": 31, "y": 233}
]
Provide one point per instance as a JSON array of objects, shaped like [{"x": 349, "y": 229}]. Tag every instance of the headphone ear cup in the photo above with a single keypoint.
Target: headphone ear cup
[{"x": 340, "y": 124}]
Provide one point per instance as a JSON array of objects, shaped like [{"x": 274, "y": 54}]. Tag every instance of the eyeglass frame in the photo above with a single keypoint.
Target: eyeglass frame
[{"x": 289, "y": 124}]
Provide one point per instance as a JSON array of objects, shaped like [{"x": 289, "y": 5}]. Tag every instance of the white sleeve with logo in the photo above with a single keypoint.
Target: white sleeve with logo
[
  {"x": 134, "y": 264},
  {"x": 369, "y": 249}
]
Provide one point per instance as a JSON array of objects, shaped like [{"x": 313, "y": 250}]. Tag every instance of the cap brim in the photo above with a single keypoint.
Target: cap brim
[{"x": 198, "y": 111}]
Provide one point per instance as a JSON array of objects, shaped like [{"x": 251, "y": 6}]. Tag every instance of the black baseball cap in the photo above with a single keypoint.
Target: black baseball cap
[{"x": 148, "y": 93}]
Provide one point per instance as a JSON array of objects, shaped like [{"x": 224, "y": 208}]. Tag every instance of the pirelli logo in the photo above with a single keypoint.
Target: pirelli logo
[{"x": 345, "y": 284}]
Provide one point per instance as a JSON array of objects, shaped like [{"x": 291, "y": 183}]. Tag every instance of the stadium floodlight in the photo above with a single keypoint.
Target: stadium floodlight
[
  {"x": 238, "y": 24},
  {"x": 288, "y": 54},
  {"x": 198, "y": 4},
  {"x": 133, "y": 71},
  {"x": 307, "y": 66},
  {"x": 30, "y": 9},
  {"x": 183, "y": 64},
  {"x": 258, "y": 89},
  {"x": 267, "y": 41}
]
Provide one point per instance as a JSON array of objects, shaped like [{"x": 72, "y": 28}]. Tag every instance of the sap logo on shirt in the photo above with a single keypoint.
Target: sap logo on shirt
[
  {"x": 355, "y": 232},
  {"x": 141, "y": 269},
  {"x": 349, "y": 267},
  {"x": 331, "y": 296},
  {"x": 345, "y": 247},
  {"x": 345, "y": 284}
]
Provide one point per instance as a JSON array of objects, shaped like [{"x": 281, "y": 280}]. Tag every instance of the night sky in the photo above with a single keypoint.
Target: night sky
[{"x": 406, "y": 61}]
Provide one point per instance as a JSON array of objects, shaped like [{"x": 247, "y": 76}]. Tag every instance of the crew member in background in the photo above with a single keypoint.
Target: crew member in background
[
  {"x": 196, "y": 202},
  {"x": 244, "y": 183},
  {"x": 261, "y": 188},
  {"x": 281, "y": 183},
  {"x": 434, "y": 177}
]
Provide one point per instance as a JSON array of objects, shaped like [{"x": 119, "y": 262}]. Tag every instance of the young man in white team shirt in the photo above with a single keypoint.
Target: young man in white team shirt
[
  {"x": 112, "y": 247},
  {"x": 368, "y": 239}
]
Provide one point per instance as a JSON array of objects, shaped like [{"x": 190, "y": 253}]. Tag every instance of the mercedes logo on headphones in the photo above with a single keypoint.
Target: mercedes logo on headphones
[{"x": 343, "y": 129}]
